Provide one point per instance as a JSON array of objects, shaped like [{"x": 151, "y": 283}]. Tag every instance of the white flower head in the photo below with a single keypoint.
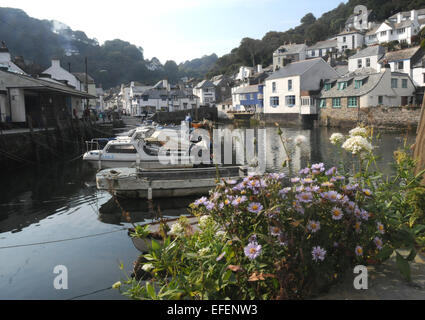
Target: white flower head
[
  {"x": 357, "y": 145},
  {"x": 358, "y": 132},
  {"x": 300, "y": 140},
  {"x": 337, "y": 138},
  {"x": 147, "y": 267},
  {"x": 176, "y": 230},
  {"x": 204, "y": 251},
  {"x": 220, "y": 234},
  {"x": 203, "y": 221}
]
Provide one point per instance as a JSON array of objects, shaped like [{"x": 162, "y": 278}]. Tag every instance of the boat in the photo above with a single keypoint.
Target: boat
[
  {"x": 149, "y": 147},
  {"x": 164, "y": 183}
]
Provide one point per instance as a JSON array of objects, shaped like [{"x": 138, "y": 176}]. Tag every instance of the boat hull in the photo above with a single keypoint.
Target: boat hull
[{"x": 166, "y": 183}]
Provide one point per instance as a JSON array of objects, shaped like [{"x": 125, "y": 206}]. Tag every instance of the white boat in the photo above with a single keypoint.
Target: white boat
[
  {"x": 165, "y": 183},
  {"x": 149, "y": 148}
]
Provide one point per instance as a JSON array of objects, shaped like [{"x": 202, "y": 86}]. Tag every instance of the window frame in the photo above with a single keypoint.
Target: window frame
[
  {"x": 334, "y": 105},
  {"x": 394, "y": 83},
  {"x": 287, "y": 99},
  {"x": 274, "y": 99},
  {"x": 350, "y": 100}
]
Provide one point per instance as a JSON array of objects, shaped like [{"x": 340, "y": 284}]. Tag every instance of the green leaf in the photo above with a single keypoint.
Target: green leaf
[
  {"x": 412, "y": 255},
  {"x": 155, "y": 245},
  {"x": 403, "y": 266},
  {"x": 151, "y": 290},
  {"x": 385, "y": 253}
]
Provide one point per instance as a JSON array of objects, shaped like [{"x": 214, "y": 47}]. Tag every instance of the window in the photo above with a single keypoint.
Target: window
[
  {"x": 273, "y": 87},
  {"x": 404, "y": 83},
  {"x": 400, "y": 65},
  {"x": 359, "y": 63},
  {"x": 394, "y": 83},
  {"x": 383, "y": 33},
  {"x": 274, "y": 101},
  {"x": 126, "y": 149},
  {"x": 424, "y": 77},
  {"x": 278, "y": 61},
  {"x": 401, "y": 30},
  {"x": 342, "y": 85},
  {"x": 336, "y": 102},
  {"x": 380, "y": 100},
  {"x": 145, "y": 98},
  {"x": 290, "y": 101},
  {"x": 328, "y": 86},
  {"x": 358, "y": 84},
  {"x": 252, "y": 96},
  {"x": 368, "y": 62},
  {"x": 344, "y": 39},
  {"x": 289, "y": 85},
  {"x": 352, "y": 102},
  {"x": 313, "y": 53},
  {"x": 322, "y": 104}
]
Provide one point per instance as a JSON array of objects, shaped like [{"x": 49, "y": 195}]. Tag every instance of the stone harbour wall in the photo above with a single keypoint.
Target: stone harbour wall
[{"x": 391, "y": 118}]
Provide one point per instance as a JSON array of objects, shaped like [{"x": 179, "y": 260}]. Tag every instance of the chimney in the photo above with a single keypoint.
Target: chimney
[
  {"x": 413, "y": 15},
  {"x": 399, "y": 17},
  {"x": 132, "y": 84},
  {"x": 259, "y": 68},
  {"x": 4, "y": 53},
  {"x": 56, "y": 63}
]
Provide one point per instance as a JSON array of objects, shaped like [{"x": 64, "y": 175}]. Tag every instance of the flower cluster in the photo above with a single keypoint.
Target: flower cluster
[{"x": 357, "y": 145}]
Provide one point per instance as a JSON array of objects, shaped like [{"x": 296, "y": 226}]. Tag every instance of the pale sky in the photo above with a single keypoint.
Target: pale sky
[{"x": 176, "y": 30}]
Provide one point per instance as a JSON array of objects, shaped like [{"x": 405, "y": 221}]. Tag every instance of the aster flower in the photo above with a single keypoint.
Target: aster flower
[
  {"x": 337, "y": 214},
  {"x": 209, "y": 205},
  {"x": 359, "y": 251},
  {"x": 239, "y": 200},
  {"x": 313, "y": 189},
  {"x": 365, "y": 215},
  {"x": 331, "y": 171},
  {"x": 367, "y": 192},
  {"x": 252, "y": 250},
  {"x": 201, "y": 201},
  {"x": 298, "y": 208},
  {"x": 277, "y": 176},
  {"x": 300, "y": 189},
  {"x": 351, "y": 206},
  {"x": 220, "y": 257},
  {"x": 318, "y": 167},
  {"x": 332, "y": 196},
  {"x": 255, "y": 207},
  {"x": 305, "y": 197},
  {"x": 284, "y": 192},
  {"x": 378, "y": 242},
  {"x": 358, "y": 226},
  {"x": 381, "y": 228},
  {"x": 313, "y": 226},
  {"x": 327, "y": 184},
  {"x": 305, "y": 171},
  {"x": 318, "y": 254},
  {"x": 275, "y": 231},
  {"x": 231, "y": 182},
  {"x": 295, "y": 180},
  {"x": 307, "y": 181}
]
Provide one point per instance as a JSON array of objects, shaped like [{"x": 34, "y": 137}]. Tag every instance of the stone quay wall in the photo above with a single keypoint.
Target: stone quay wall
[{"x": 208, "y": 113}]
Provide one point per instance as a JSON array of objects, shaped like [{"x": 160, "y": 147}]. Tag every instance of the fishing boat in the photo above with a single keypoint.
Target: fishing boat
[
  {"x": 164, "y": 183},
  {"x": 149, "y": 147}
]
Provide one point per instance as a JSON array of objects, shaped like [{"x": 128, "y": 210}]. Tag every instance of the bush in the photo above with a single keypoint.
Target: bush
[{"x": 277, "y": 237}]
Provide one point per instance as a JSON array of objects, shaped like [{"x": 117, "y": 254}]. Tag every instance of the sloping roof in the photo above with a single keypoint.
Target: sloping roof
[
  {"x": 11, "y": 67},
  {"x": 407, "y": 14},
  {"x": 204, "y": 84},
  {"x": 341, "y": 69},
  {"x": 369, "y": 51},
  {"x": 372, "y": 80},
  {"x": 350, "y": 31},
  {"x": 295, "y": 69},
  {"x": 140, "y": 89},
  {"x": 401, "y": 54},
  {"x": 81, "y": 76},
  {"x": 247, "y": 89},
  {"x": 14, "y": 80},
  {"x": 373, "y": 30},
  {"x": 291, "y": 48},
  {"x": 324, "y": 44}
]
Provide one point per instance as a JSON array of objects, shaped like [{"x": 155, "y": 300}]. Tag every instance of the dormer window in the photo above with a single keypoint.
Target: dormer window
[
  {"x": 328, "y": 86},
  {"x": 342, "y": 85},
  {"x": 358, "y": 84}
]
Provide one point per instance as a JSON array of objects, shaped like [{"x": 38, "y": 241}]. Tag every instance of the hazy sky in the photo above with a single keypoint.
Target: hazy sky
[{"x": 176, "y": 29}]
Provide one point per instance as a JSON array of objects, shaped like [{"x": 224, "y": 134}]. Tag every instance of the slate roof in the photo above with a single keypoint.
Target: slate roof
[
  {"x": 291, "y": 49},
  {"x": 372, "y": 79},
  {"x": 204, "y": 84},
  {"x": 351, "y": 31},
  {"x": 370, "y": 51},
  {"x": 247, "y": 89},
  {"x": 401, "y": 54},
  {"x": 81, "y": 76},
  {"x": 160, "y": 93},
  {"x": 295, "y": 68},
  {"x": 324, "y": 44},
  {"x": 407, "y": 14}
]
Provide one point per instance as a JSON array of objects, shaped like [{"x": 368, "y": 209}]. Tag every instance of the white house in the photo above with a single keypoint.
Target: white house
[
  {"x": 350, "y": 39},
  {"x": 289, "y": 53},
  {"x": 404, "y": 60},
  {"x": 59, "y": 73},
  {"x": 293, "y": 89},
  {"x": 205, "y": 90},
  {"x": 367, "y": 58},
  {"x": 323, "y": 48},
  {"x": 6, "y": 61}
]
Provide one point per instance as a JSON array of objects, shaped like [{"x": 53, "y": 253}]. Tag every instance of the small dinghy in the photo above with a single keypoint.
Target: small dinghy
[{"x": 164, "y": 183}]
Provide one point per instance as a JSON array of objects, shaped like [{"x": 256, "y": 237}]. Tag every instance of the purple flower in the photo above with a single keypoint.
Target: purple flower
[
  {"x": 275, "y": 231},
  {"x": 305, "y": 171},
  {"x": 300, "y": 189},
  {"x": 201, "y": 201},
  {"x": 318, "y": 254},
  {"x": 239, "y": 187},
  {"x": 239, "y": 200},
  {"x": 381, "y": 228},
  {"x": 337, "y": 214},
  {"x": 307, "y": 181},
  {"x": 359, "y": 251},
  {"x": 305, "y": 197},
  {"x": 351, "y": 206},
  {"x": 318, "y": 167},
  {"x": 331, "y": 171},
  {"x": 378, "y": 242},
  {"x": 332, "y": 196},
  {"x": 299, "y": 208},
  {"x": 231, "y": 182},
  {"x": 365, "y": 215},
  {"x": 255, "y": 207},
  {"x": 276, "y": 176},
  {"x": 313, "y": 226},
  {"x": 295, "y": 180},
  {"x": 351, "y": 187},
  {"x": 284, "y": 192},
  {"x": 367, "y": 192},
  {"x": 313, "y": 189},
  {"x": 209, "y": 205},
  {"x": 220, "y": 257},
  {"x": 252, "y": 250}
]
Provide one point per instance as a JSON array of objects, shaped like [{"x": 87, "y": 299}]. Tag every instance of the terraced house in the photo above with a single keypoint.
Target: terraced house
[{"x": 342, "y": 98}]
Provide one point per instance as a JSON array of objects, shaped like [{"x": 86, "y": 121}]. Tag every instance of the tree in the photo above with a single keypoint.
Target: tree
[{"x": 308, "y": 19}]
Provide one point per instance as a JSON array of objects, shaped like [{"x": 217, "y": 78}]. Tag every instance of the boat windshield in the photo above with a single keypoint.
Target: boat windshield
[{"x": 122, "y": 148}]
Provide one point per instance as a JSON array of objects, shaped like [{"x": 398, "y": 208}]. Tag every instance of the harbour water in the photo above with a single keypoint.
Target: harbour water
[{"x": 54, "y": 215}]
